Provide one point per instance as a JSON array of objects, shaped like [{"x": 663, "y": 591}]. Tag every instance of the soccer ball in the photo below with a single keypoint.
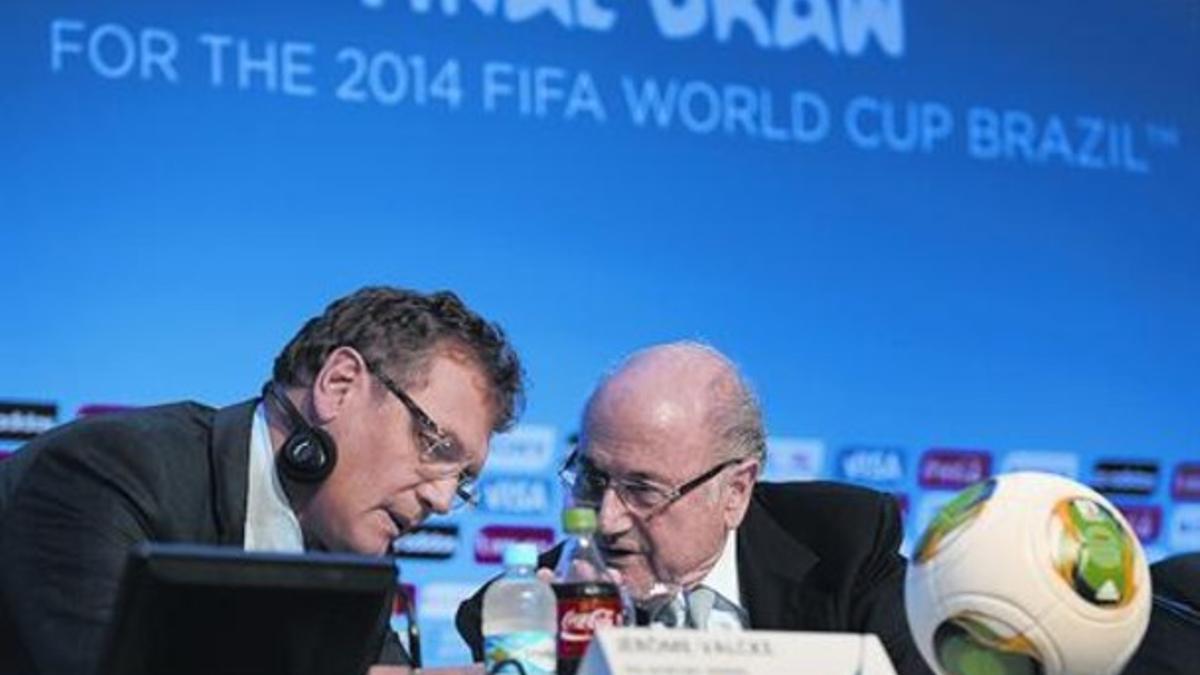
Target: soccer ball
[{"x": 1028, "y": 574}]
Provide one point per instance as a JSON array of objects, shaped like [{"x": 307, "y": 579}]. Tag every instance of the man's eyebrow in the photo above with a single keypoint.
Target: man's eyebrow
[
  {"x": 643, "y": 477},
  {"x": 635, "y": 476}
]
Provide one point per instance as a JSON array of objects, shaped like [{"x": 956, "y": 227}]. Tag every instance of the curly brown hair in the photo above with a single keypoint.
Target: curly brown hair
[{"x": 400, "y": 329}]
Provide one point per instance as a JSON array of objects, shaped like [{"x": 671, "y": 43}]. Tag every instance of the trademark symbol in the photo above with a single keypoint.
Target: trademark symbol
[{"x": 1161, "y": 136}]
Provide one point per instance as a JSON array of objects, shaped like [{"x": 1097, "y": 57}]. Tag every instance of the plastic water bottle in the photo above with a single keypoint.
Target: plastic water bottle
[
  {"x": 588, "y": 600},
  {"x": 520, "y": 616}
]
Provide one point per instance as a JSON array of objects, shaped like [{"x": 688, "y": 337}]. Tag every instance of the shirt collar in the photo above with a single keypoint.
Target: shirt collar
[
  {"x": 723, "y": 577},
  {"x": 271, "y": 525}
]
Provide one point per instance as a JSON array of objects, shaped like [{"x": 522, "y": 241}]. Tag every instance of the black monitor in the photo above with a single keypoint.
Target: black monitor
[{"x": 187, "y": 609}]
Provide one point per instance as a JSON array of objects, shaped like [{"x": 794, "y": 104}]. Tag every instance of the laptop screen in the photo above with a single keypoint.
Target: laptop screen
[{"x": 201, "y": 609}]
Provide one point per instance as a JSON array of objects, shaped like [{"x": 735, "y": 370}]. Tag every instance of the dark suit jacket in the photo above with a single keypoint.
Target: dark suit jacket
[
  {"x": 75, "y": 499},
  {"x": 811, "y": 557}
]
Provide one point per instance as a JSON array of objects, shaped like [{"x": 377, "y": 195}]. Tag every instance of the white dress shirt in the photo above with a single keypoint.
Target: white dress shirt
[
  {"x": 271, "y": 525},
  {"x": 722, "y": 579}
]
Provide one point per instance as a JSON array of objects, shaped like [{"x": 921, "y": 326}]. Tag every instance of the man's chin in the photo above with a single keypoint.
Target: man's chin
[
  {"x": 636, "y": 581},
  {"x": 383, "y": 547}
]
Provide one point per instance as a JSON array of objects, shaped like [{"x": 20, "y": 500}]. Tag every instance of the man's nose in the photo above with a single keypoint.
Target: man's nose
[{"x": 438, "y": 494}]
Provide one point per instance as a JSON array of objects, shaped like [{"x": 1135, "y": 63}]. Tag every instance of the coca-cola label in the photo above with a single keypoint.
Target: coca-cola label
[
  {"x": 580, "y": 618},
  {"x": 953, "y": 469}
]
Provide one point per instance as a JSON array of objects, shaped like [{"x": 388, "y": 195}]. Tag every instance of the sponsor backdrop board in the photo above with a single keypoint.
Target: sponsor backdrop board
[{"x": 941, "y": 243}]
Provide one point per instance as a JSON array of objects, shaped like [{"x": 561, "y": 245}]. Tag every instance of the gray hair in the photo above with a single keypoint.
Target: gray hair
[{"x": 736, "y": 416}]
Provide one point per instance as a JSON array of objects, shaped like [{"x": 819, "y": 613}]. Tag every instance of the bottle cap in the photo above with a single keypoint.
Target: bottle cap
[
  {"x": 579, "y": 519},
  {"x": 520, "y": 555}
]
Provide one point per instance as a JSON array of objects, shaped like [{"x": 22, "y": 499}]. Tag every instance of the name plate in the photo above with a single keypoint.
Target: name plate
[{"x": 656, "y": 651}]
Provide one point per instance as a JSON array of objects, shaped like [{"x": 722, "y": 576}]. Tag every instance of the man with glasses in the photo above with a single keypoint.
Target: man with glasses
[
  {"x": 378, "y": 414},
  {"x": 670, "y": 450}
]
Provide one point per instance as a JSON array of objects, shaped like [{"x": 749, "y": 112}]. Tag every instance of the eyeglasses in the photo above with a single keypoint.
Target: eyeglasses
[
  {"x": 438, "y": 447},
  {"x": 587, "y": 484}
]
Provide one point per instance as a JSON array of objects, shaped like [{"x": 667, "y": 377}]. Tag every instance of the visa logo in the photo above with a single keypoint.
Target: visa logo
[
  {"x": 872, "y": 464},
  {"x": 518, "y": 496}
]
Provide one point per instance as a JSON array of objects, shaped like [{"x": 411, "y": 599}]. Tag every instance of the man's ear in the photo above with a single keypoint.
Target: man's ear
[
  {"x": 342, "y": 376},
  {"x": 740, "y": 486}
]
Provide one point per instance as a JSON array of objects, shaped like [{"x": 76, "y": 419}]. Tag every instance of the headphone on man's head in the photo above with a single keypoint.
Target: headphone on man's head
[{"x": 309, "y": 453}]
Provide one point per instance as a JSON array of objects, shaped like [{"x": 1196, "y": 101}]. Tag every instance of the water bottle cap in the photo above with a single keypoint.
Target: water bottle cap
[
  {"x": 579, "y": 519},
  {"x": 520, "y": 555}
]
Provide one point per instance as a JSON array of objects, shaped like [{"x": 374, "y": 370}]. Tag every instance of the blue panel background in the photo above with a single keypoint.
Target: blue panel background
[{"x": 162, "y": 240}]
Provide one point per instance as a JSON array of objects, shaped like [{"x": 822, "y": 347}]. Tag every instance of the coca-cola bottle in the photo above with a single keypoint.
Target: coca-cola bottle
[{"x": 588, "y": 600}]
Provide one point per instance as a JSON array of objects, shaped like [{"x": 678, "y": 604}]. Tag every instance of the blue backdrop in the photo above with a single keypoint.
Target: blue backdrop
[{"x": 941, "y": 243}]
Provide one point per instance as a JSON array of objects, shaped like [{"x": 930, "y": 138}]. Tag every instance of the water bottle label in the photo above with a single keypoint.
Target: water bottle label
[{"x": 534, "y": 649}]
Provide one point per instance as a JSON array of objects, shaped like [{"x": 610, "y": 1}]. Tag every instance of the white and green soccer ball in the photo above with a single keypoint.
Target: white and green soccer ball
[{"x": 1028, "y": 574}]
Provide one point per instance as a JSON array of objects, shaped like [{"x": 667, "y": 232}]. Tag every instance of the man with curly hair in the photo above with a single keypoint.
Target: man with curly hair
[{"x": 378, "y": 414}]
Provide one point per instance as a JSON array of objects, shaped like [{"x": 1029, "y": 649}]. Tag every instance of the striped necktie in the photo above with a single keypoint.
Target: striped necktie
[
  {"x": 702, "y": 608},
  {"x": 669, "y": 614},
  {"x": 709, "y": 610}
]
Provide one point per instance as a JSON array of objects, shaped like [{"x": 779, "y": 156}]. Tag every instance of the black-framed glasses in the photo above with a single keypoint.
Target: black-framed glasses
[
  {"x": 588, "y": 483},
  {"x": 437, "y": 445}
]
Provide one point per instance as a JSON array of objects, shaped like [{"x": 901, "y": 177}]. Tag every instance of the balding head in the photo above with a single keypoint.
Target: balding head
[
  {"x": 681, "y": 390},
  {"x": 670, "y": 420}
]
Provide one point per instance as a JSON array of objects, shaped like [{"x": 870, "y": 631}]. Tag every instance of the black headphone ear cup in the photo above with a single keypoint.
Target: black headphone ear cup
[{"x": 308, "y": 455}]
